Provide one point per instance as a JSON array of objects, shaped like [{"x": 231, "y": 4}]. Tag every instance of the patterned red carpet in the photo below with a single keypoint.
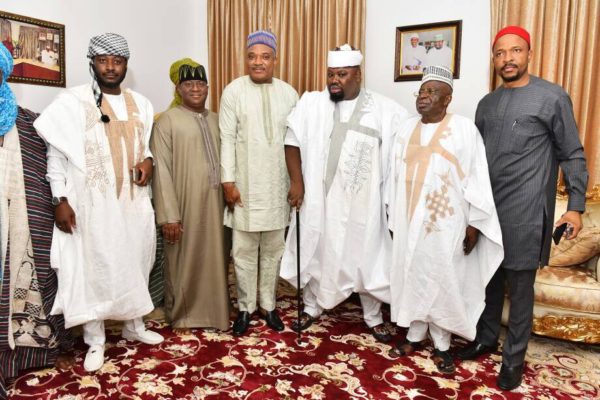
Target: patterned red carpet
[{"x": 340, "y": 360}]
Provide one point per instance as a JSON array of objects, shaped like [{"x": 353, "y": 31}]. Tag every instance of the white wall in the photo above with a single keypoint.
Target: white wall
[
  {"x": 158, "y": 32},
  {"x": 383, "y": 16}
]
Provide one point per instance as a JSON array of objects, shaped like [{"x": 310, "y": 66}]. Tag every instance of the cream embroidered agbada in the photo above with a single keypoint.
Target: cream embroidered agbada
[
  {"x": 439, "y": 185},
  {"x": 103, "y": 267}
]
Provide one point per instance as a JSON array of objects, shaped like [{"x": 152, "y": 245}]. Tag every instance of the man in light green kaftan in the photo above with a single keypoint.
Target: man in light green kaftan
[{"x": 252, "y": 119}]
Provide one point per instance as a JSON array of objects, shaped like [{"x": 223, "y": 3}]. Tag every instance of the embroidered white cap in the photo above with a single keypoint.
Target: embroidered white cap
[{"x": 437, "y": 73}]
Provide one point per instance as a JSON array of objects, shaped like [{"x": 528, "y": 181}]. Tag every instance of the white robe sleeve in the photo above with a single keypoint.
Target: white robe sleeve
[
  {"x": 57, "y": 172},
  {"x": 291, "y": 139}
]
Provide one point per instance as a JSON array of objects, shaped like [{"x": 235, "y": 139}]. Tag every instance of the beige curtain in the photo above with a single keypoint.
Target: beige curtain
[
  {"x": 5, "y": 30},
  {"x": 29, "y": 42},
  {"x": 565, "y": 38},
  {"x": 305, "y": 30}
]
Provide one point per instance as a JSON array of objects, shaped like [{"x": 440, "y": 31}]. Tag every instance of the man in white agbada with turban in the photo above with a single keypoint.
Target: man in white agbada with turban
[
  {"x": 337, "y": 148},
  {"x": 99, "y": 165},
  {"x": 447, "y": 238}
]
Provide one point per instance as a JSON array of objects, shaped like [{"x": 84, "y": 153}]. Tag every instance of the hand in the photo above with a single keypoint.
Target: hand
[
  {"x": 471, "y": 237},
  {"x": 145, "y": 167},
  {"x": 296, "y": 194},
  {"x": 65, "y": 217},
  {"x": 232, "y": 195},
  {"x": 172, "y": 232},
  {"x": 574, "y": 223}
]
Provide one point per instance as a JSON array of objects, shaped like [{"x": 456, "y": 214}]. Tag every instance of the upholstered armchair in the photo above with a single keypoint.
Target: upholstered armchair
[{"x": 567, "y": 291}]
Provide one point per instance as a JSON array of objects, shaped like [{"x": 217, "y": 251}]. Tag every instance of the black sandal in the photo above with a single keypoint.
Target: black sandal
[
  {"x": 305, "y": 321},
  {"x": 443, "y": 361},
  {"x": 402, "y": 349}
]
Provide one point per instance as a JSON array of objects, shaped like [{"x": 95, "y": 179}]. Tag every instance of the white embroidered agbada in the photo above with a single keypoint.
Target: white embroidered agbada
[
  {"x": 439, "y": 185},
  {"x": 103, "y": 267},
  {"x": 345, "y": 246}
]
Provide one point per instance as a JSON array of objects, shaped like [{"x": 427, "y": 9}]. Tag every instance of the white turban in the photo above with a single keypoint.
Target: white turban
[
  {"x": 414, "y": 35},
  {"x": 344, "y": 57}
]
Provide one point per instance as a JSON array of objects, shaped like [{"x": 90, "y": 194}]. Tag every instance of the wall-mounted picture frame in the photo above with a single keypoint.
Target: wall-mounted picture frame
[
  {"x": 427, "y": 44},
  {"x": 37, "y": 47}
]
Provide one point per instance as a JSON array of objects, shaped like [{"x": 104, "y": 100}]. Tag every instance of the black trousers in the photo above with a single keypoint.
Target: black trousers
[{"x": 521, "y": 296}]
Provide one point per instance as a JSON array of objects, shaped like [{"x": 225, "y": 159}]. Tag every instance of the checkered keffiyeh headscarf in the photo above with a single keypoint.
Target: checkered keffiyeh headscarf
[{"x": 107, "y": 44}]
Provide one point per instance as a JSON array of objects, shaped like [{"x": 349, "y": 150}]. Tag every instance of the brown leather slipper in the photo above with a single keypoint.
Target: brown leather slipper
[{"x": 405, "y": 348}]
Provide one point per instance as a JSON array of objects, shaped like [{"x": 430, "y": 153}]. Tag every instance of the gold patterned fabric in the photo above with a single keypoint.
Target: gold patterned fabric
[{"x": 124, "y": 132}]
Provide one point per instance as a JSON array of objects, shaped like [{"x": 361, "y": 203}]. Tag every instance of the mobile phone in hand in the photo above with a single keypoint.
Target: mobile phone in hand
[{"x": 558, "y": 233}]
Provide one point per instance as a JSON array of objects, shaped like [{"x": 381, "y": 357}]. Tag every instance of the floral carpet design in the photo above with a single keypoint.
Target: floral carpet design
[{"x": 337, "y": 359}]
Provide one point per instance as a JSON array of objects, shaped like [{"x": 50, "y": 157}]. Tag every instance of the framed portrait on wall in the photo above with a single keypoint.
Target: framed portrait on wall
[
  {"x": 427, "y": 44},
  {"x": 37, "y": 48}
]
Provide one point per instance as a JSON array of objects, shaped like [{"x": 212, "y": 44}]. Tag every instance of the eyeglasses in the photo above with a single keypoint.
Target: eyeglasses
[{"x": 429, "y": 92}]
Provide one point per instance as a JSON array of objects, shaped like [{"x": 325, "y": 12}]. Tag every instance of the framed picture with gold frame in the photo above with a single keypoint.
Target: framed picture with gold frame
[
  {"x": 37, "y": 47},
  {"x": 427, "y": 44}
]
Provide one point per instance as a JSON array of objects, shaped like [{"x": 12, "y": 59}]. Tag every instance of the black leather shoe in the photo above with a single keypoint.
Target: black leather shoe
[
  {"x": 475, "y": 350},
  {"x": 240, "y": 326},
  {"x": 273, "y": 320},
  {"x": 510, "y": 377}
]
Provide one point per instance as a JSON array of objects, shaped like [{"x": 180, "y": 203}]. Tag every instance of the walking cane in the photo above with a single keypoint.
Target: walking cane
[{"x": 299, "y": 340}]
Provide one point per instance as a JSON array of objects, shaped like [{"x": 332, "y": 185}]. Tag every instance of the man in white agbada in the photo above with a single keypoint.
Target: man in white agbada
[
  {"x": 447, "y": 238},
  {"x": 99, "y": 165},
  {"x": 337, "y": 154},
  {"x": 254, "y": 177},
  {"x": 413, "y": 56},
  {"x": 48, "y": 56},
  {"x": 440, "y": 54}
]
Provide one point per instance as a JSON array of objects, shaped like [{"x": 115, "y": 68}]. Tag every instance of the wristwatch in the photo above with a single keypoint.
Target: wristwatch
[{"x": 57, "y": 200}]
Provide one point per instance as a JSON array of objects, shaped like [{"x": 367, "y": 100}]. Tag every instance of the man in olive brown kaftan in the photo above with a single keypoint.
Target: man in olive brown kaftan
[{"x": 189, "y": 205}]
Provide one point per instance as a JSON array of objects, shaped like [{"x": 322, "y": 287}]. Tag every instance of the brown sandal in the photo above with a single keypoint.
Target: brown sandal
[
  {"x": 405, "y": 348},
  {"x": 381, "y": 333},
  {"x": 443, "y": 361}
]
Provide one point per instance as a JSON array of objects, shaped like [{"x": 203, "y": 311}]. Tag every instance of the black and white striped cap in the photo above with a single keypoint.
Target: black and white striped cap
[{"x": 108, "y": 44}]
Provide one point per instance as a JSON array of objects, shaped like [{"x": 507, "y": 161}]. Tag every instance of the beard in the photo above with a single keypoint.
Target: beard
[
  {"x": 512, "y": 78},
  {"x": 109, "y": 85},
  {"x": 336, "y": 97}
]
